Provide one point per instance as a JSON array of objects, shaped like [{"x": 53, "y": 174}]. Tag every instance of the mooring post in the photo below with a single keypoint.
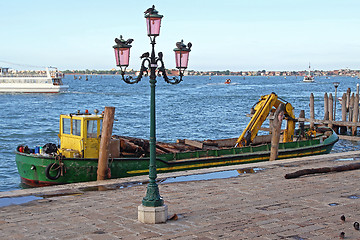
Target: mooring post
[
  {"x": 348, "y": 92},
  {"x": 356, "y": 114},
  {"x": 331, "y": 100},
  {"x": 343, "y": 129},
  {"x": 312, "y": 110},
  {"x": 351, "y": 107},
  {"x": 105, "y": 142},
  {"x": 326, "y": 107},
  {"x": 343, "y": 108},
  {"x": 276, "y": 130},
  {"x": 302, "y": 123}
]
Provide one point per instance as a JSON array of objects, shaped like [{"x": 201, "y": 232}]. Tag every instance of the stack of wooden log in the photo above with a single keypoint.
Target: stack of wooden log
[{"x": 141, "y": 147}]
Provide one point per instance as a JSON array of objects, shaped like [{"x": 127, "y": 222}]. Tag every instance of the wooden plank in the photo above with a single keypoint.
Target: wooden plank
[{"x": 194, "y": 143}]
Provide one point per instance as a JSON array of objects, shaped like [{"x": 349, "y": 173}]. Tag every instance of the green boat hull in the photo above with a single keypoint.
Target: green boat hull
[{"x": 34, "y": 169}]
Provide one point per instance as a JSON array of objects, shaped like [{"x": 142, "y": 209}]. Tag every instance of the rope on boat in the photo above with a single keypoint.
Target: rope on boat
[{"x": 59, "y": 167}]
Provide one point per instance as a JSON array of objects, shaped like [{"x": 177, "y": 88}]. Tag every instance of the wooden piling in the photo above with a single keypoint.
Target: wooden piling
[
  {"x": 326, "y": 107},
  {"x": 276, "y": 130},
  {"x": 343, "y": 129},
  {"x": 355, "y": 114},
  {"x": 105, "y": 142},
  {"x": 331, "y": 110},
  {"x": 348, "y": 92},
  {"x": 351, "y": 107},
  {"x": 343, "y": 107},
  {"x": 302, "y": 123},
  {"x": 312, "y": 110}
]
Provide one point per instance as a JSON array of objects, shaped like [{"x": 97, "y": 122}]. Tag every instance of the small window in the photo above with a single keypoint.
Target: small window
[
  {"x": 92, "y": 128},
  {"x": 76, "y": 130},
  {"x": 66, "y": 125}
]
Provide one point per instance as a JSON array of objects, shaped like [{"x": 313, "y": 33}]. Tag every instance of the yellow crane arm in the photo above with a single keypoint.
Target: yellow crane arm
[{"x": 262, "y": 110}]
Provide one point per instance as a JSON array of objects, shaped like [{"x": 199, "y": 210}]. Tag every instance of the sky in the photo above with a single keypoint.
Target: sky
[{"x": 235, "y": 35}]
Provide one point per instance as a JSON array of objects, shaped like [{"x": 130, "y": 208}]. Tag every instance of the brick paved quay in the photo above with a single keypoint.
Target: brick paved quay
[{"x": 261, "y": 205}]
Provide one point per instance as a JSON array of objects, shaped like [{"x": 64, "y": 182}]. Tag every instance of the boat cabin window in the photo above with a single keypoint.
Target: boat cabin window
[
  {"x": 76, "y": 129},
  {"x": 66, "y": 125},
  {"x": 92, "y": 128}
]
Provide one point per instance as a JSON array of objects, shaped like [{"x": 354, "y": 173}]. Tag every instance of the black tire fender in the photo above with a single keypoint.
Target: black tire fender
[{"x": 50, "y": 167}]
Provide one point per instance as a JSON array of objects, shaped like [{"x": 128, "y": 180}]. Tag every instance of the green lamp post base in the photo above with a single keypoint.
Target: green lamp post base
[{"x": 152, "y": 198}]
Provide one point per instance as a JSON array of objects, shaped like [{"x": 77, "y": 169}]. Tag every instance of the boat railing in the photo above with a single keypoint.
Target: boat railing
[
  {"x": 33, "y": 75},
  {"x": 24, "y": 80},
  {"x": 11, "y": 75}
]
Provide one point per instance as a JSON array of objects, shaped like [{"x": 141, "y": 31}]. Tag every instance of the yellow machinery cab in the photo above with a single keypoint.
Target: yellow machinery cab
[{"x": 80, "y": 135}]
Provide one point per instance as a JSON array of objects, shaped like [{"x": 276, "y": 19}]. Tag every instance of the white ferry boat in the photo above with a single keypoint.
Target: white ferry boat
[
  {"x": 309, "y": 77},
  {"x": 31, "y": 82}
]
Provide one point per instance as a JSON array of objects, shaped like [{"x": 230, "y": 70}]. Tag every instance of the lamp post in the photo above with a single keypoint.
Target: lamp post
[
  {"x": 149, "y": 211},
  {"x": 336, "y": 84}
]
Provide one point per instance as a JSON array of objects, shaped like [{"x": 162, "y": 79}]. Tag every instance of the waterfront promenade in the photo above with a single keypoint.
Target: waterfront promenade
[{"x": 260, "y": 205}]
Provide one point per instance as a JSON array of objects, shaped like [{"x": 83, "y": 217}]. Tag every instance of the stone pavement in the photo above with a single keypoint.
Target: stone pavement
[{"x": 261, "y": 205}]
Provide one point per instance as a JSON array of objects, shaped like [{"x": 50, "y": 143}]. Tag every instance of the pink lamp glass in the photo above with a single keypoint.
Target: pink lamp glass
[{"x": 122, "y": 56}]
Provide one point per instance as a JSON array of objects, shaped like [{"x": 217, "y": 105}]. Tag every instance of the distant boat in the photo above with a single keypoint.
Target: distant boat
[
  {"x": 32, "y": 82},
  {"x": 309, "y": 77},
  {"x": 228, "y": 81}
]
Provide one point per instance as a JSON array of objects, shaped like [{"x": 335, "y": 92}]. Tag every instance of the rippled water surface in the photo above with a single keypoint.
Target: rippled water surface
[{"x": 197, "y": 108}]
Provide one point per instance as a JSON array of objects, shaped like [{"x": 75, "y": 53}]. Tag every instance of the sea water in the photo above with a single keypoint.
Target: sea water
[{"x": 197, "y": 108}]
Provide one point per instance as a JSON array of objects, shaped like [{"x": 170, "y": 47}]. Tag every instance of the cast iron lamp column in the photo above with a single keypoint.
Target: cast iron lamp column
[{"x": 150, "y": 62}]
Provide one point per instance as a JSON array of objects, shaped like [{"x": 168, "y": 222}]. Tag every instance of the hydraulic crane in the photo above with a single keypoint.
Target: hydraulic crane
[{"x": 266, "y": 104}]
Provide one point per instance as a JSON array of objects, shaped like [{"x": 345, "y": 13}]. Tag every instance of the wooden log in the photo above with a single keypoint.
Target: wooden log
[
  {"x": 331, "y": 110},
  {"x": 193, "y": 143},
  {"x": 127, "y": 146},
  {"x": 342, "y": 168},
  {"x": 159, "y": 151},
  {"x": 343, "y": 129},
  {"x": 312, "y": 110},
  {"x": 166, "y": 148},
  {"x": 275, "y": 132},
  {"x": 356, "y": 114},
  {"x": 326, "y": 107},
  {"x": 106, "y": 132}
]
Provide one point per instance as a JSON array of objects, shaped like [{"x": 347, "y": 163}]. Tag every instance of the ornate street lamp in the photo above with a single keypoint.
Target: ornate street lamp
[
  {"x": 336, "y": 84},
  {"x": 156, "y": 67},
  {"x": 122, "y": 53}
]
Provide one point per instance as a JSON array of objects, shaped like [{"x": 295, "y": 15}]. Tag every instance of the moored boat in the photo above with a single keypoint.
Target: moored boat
[
  {"x": 31, "y": 82},
  {"x": 76, "y": 158}
]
